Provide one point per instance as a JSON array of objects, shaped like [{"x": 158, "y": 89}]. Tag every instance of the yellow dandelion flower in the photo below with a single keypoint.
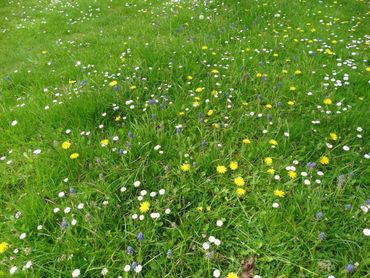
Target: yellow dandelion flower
[
  {"x": 181, "y": 114},
  {"x": 199, "y": 90},
  {"x": 292, "y": 174},
  {"x": 66, "y": 145},
  {"x": 328, "y": 101},
  {"x": 233, "y": 165},
  {"x": 113, "y": 83},
  {"x": 210, "y": 112},
  {"x": 232, "y": 275},
  {"x": 324, "y": 160},
  {"x": 3, "y": 247},
  {"x": 74, "y": 156},
  {"x": 144, "y": 207},
  {"x": 271, "y": 171},
  {"x": 199, "y": 208},
  {"x": 246, "y": 141},
  {"x": 214, "y": 71},
  {"x": 279, "y": 193},
  {"x": 273, "y": 142},
  {"x": 292, "y": 88},
  {"x": 297, "y": 72},
  {"x": 185, "y": 167},
  {"x": 133, "y": 87},
  {"x": 333, "y": 136},
  {"x": 221, "y": 169},
  {"x": 189, "y": 78},
  {"x": 291, "y": 103},
  {"x": 239, "y": 181},
  {"x": 208, "y": 208},
  {"x": 72, "y": 81},
  {"x": 104, "y": 142},
  {"x": 204, "y": 47},
  {"x": 240, "y": 191},
  {"x": 268, "y": 106},
  {"x": 268, "y": 160}
]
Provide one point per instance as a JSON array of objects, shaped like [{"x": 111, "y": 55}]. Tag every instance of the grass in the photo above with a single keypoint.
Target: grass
[{"x": 193, "y": 80}]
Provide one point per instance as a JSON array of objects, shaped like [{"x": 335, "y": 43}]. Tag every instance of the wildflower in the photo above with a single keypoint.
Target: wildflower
[
  {"x": 239, "y": 181},
  {"x": 292, "y": 88},
  {"x": 3, "y": 247},
  {"x": 74, "y": 156},
  {"x": 246, "y": 141},
  {"x": 232, "y": 275},
  {"x": 221, "y": 169},
  {"x": 350, "y": 268},
  {"x": 140, "y": 236},
  {"x": 322, "y": 236},
  {"x": 199, "y": 90},
  {"x": 113, "y": 83},
  {"x": 104, "y": 142},
  {"x": 324, "y": 160},
  {"x": 240, "y": 191},
  {"x": 333, "y": 136},
  {"x": 279, "y": 193},
  {"x": 233, "y": 165},
  {"x": 133, "y": 87},
  {"x": 297, "y": 72},
  {"x": 292, "y": 174},
  {"x": 291, "y": 103},
  {"x": 328, "y": 101},
  {"x": 130, "y": 250},
  {"x": 204, "y": 47},
  {"x": 189, "y": 77},
  {"x": 76, "y": 273},
  {"x": 273, "y": 142},
  {"x": 66, "y": 145},
  {"x": 210, "y": 112},
  {"x": 268, "y": 160},
  {"x": 185, "y": 167},
  {"x": 216, "y": 273},
  {"x": 144, "y": 207},
  {"x": 366, "y": 232},
  {"x": 319, "y": 215}
]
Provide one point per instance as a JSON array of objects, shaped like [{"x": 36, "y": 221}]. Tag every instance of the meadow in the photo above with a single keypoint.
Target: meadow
[{"x": 178, "y": 138}]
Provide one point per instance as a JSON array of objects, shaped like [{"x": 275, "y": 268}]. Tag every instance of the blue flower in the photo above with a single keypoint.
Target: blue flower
[
  {"x": 319, "y": 215},
  {"x": 140, "y": 236},
  {"x": 350, "y": 268},
  {"x": 322, "y": 236},
  {"x": 130, "y": 250}
]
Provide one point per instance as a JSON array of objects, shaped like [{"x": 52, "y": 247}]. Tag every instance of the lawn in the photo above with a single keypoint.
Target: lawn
[{"x": 180, "y": 138}]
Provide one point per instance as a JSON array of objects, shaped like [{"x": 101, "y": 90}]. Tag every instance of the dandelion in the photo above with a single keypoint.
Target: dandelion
[
  {"x": 3, "y": 247},
  {"x": 246, "y": 141},
  {"x": 324, "y": 160},
  {"x": 232, "y": 275},
  {"x": 233, "y": 165},
  {"x": 185, "y": 167},
  {"x": 268, "y": 160},
  {"x": 144, "y": 207},
  {"x": 74, "y": 156},
  {"x": 104, "y": 142},
  {"x": 279, "y": 193},
  {"x": 271, "y": 171},
  {"x": 292, "y": 174},
  {"x": 239, "y": 181},
  {"x": 273, "y": 142},
  {"x": 240, "y": 191},
  {"x": 113, "y": 83},
  {"x": 292, "y": 88},
  {"x": 66, "y": 145},
  {"x": 328, "y": 101},
  {"x": 221, "y": 169},
  {"x": 199, "y": 90},
  {"x": 333, "y": 136}
]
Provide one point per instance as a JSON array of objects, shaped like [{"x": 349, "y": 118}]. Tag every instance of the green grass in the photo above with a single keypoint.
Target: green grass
[{"x": 58, "y": 59}]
